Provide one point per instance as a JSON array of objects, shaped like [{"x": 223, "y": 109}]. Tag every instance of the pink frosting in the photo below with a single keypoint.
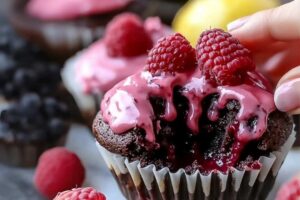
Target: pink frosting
[
  {"x": 127, "y": 105},
  {"x": 98, "y": 72},
  {"x": 70, "y": 9}
]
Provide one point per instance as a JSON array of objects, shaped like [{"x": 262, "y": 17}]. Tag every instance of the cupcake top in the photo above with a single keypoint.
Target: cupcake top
[
  {"x": 199, "y": 109},
  {"x": 23, "y": 68},
  {"x": 122, "y": 52},
  {"x": 33, "y": 119},
  {"x": 70, "y": 9}
]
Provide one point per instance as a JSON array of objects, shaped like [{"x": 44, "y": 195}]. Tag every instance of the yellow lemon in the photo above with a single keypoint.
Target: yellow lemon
[{"x": 199, "y": 15}]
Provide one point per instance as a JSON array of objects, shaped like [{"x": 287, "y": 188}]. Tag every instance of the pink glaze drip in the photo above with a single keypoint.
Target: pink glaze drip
[
  {"x": 98, "y": 72},
  {"x": 70, "y": 9},
  {"x": 134, "y": 109},
  {"x": 127, "y": 105}
]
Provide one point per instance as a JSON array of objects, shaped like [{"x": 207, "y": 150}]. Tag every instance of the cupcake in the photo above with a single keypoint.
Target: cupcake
[
  {"x": 64, "y": 27},
  {"x": 29, "y": 126},
  {"x": 194, "y": 124},
  {"x": 120, "y": 53}
]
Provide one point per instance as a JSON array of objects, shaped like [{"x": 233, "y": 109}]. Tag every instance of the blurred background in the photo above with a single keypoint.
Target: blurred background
[{"x": 41, "y": 104}]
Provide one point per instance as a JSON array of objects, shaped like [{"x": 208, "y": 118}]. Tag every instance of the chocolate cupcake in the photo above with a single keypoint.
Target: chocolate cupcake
[
  {"x": 120, "y": 53},
  {"x": 194, "y": 124},
  {"x": 62, "y": 31},
  {"x": 30, "y": 126}
]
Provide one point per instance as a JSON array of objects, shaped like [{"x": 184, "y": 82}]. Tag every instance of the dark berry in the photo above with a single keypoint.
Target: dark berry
[
  {"x": 56, "y": 126},
  {"x": 23, "y": 78},
  {"x": 9, "y": 90},
  {"x": 31, "y": 101}
]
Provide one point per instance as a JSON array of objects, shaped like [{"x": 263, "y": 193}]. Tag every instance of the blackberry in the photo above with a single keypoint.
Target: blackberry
[{"x": 34, "y": 117}]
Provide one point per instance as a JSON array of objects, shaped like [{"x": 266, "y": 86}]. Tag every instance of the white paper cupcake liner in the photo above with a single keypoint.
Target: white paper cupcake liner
[
  {"x": 88, "y": 104},
  {"x": 148, "y": 183}
]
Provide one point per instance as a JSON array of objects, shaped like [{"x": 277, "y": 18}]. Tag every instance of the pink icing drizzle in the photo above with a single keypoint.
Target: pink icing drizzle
[
  {"x": 97, "y": 71},
  {"x": 70, "y": 9},
  {"x": 127, "y": 105}
]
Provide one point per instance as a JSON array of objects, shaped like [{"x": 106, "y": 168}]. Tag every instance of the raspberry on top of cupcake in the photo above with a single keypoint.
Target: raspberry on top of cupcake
[
  {"x": 200, "y": 109},
  {"x": 69, "y": 9},
  {"x": 122, "y": 52}
]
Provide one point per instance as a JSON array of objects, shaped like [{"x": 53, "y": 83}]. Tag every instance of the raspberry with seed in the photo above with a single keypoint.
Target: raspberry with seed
[
  {"x": 290, "y": 190},
  {"x": 58, "y": 170},
  {"x": 171, "y": 54},
  {"x": 222, "y": 58},
  {"x": 126, "y": 36},
  {"x": 80, "y": 194}
]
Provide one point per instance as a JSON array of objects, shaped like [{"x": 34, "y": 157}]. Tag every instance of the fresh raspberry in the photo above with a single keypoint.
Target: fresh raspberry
[
  {"x": 171, "y": 54},
  {"x": 222, "y": 59},
  {"x": 125, "y": 36},
  {"x": 80, "y": 194},
  {"x": 290, "y": 190},
  {"x": 58, "y": 170}
]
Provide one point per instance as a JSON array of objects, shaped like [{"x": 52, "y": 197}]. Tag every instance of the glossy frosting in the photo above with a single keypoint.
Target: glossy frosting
[
  {"x": 127, "y": 105},
  {"x": 69, "y": 9},
  {"x": 97, "y": 72}
]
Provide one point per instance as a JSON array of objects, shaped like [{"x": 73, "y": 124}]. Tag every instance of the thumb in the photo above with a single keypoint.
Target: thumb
[
  {"x": 278, "y": 24},
  {"x": 287, "y": 93}
]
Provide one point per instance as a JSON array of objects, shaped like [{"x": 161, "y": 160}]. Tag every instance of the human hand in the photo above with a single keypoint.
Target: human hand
[{"x": 274, "y": 38}]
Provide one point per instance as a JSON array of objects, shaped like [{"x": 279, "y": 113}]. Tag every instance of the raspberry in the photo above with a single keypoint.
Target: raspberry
[
  {"x": 80, "y": 194},
  {"x": 290, "y": 190},
  {"x": 222, "y": 59},
  {"x": 125, "y": 36},
  {"x": 58, "y": 170},
  {"x": 171, "y": 54}
]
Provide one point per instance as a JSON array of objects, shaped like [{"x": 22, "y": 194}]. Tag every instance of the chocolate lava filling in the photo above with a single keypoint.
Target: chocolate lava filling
[{"x": 177, "y": 147}]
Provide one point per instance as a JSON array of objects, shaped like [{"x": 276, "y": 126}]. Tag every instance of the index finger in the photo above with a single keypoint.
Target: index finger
[{"x": 265, "y": 27}]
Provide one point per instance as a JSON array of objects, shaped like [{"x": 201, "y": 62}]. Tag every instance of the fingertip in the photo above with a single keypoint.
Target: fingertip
[
  {"x": 287, "y": 96},
  {"x": 236, "y": 24}
]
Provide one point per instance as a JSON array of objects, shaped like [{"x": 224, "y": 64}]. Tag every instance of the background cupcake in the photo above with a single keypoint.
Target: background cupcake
[
  {"x": 24, "y": 69},
  {"x": 120, "y": 53},
  {"x": 35, "y": 108},
  {"x": 30, "y": 126},
  {"x": 63, "y": 31},
  {"x": 194, "y": 126}
]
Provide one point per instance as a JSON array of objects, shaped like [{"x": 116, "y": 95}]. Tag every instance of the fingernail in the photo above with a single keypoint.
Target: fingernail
[
  {"x": 287, "y": 96},
  {"x": 237, "y": 23}
]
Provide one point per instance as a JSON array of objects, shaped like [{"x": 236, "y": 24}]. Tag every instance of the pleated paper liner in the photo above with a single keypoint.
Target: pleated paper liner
[
  {"x": 27, "y": 153},
  {"x": 297, "y": 123},
  {"x": 147, "y": 183}
]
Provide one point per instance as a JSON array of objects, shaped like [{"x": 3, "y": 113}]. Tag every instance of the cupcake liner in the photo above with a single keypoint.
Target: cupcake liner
[
  {"x": 138, "y": 182},
  {"x": 87, "y": 104},
  {"x": 58, "y": 39},
  {"x": 297, "y": 123},
  {"x": 25, "y": 154}
]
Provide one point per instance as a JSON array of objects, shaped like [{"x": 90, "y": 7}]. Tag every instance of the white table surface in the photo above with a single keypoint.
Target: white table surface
[{"x": 16, "y": 183}]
